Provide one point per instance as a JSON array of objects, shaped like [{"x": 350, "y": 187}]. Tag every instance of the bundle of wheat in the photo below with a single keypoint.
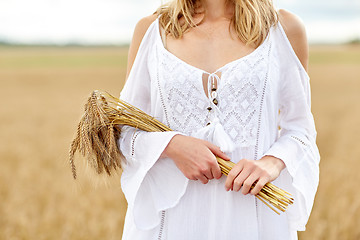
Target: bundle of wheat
[
  {"x": 99, "y": 130},
  {"x": 277, "y": 197}
]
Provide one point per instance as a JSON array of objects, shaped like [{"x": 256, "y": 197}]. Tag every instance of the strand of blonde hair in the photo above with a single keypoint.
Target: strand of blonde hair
[{"x": 251, "y": 20}]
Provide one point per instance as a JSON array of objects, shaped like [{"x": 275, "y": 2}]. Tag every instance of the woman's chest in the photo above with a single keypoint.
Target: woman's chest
[
  {"x": 240, "y": 90},
  {"x": 208, "y": 52}
]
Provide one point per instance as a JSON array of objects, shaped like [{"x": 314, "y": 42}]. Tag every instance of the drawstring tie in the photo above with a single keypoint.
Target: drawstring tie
[{"x": 214, "y": 131}]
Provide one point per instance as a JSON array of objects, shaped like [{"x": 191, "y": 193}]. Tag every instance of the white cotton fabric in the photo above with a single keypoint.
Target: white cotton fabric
[{"x": 257, "y": 94}]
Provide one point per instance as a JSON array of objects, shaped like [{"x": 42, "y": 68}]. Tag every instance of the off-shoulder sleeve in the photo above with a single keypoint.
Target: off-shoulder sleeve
[
  {"x": 150, "y": 183},
  {"x": 296, "y": 144}
]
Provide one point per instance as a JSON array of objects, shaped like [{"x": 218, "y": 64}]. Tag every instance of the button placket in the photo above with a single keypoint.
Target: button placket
[{"x": 212, "y": 83}]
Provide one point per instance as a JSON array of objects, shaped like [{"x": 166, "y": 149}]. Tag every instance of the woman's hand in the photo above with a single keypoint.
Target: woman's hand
[
  {"x": 247, "y": 172},
  {"x": 195, "y": 158}
]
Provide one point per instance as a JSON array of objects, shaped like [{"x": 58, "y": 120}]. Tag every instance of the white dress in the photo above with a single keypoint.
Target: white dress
[{"x": 258, "y": 94}]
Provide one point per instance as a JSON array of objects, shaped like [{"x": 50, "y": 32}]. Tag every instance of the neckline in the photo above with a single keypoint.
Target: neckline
[{"x": 243, "y": 58}]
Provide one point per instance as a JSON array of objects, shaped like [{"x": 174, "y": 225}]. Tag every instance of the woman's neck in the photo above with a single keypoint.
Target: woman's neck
[{"x": 215, "y": 9}]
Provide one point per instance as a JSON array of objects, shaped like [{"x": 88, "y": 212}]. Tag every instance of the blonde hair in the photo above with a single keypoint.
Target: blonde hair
[{"x": 252, "y": 19}]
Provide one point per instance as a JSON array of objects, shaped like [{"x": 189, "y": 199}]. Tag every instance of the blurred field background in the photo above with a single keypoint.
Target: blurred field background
[{"x": 43, "y": 90}]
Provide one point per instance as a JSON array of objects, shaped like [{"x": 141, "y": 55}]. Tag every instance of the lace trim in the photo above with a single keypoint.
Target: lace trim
[
  {"x": 260, "y": 114},
  {"x": 133, "y": 143},
  {"x": 162, "y": 98},
  {"x": 162, "y": 223},
  {"x": 300, "y": 140}
]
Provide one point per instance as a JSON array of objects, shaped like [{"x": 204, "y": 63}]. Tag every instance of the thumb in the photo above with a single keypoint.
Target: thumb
[{"x": 216, "y": 150}]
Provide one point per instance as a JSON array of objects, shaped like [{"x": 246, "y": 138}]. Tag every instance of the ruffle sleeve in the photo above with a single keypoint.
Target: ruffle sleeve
[
  {"x": 296, "y": 144},
  {"x": 150, "y": 183}
]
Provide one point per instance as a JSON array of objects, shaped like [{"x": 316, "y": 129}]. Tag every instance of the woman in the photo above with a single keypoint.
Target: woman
[{"x": 225, "y": 75}]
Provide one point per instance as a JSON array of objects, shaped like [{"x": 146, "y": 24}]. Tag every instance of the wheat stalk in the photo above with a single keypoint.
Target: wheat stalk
[{"x": 99, "y": 130}]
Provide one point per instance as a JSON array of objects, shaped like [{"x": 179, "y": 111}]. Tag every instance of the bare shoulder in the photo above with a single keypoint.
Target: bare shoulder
[
  {"x": 142, "y": 26},
  {"x": 139, "y": 32},
  {"x": 296, "y": 33}
]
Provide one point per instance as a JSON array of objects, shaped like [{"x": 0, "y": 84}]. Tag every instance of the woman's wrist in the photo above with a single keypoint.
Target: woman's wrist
[
  {"x": 276, "y": 162},
  {"x": 169, "y": 147}
]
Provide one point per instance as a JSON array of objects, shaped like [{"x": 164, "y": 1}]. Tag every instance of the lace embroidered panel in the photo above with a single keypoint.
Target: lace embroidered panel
[
  {"x": 240, "y": 96},
  {"x": 240, "y": 91},
  {"x": 183, "y": 99}
]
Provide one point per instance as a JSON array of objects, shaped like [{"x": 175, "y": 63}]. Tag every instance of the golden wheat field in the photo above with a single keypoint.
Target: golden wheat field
[{"x": 42, "y": 95}]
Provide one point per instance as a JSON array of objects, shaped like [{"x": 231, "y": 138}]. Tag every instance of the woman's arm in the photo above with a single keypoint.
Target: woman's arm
[
  {"x": 295, "y": 31},
  {"x": 268, "y": 168}
]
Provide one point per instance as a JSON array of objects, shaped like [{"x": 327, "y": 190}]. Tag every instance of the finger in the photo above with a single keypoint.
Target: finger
[
  {"x": 234, "y": 172},
  {"x": 216, "y": 171},
  {"x": 216, "y": 150},
  {"x": 203, "y": 179},
  {"x": 259, "y": 185},
  {"x": 191, "y": 177},
  {"x": 239, "y": 180},
  {"x": 208, "y": 174},
  {"x": 248, "y": 183}
]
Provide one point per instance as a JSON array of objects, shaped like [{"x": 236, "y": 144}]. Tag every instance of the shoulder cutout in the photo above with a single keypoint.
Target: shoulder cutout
[
  {"x": 295, "y": 31},
  {"x": 139, "y": 32}
]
